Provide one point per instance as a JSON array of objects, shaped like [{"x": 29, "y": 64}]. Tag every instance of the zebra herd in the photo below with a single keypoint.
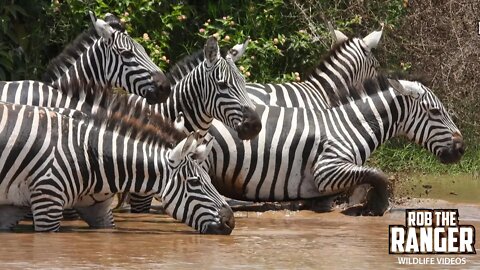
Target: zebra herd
[{"x": 201, "y": 132}]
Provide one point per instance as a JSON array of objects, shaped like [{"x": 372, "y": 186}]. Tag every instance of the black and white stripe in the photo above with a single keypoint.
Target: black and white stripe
[
  {"x": 303, "y": 153},
  {"x": 110, "y": 58},
  {"x": 214, "y": 89},
  {"x": 51, "y": 161},
  {"x": 349, "y": 63}
]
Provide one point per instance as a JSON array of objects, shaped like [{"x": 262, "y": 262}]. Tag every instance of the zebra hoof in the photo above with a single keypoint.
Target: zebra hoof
[{"x": 377, "y": 203}]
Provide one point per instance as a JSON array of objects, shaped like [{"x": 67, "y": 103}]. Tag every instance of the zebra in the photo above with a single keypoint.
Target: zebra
[
  {"x": 62, "y": 63},
  {"x": 113, "y": 59},
  {"x": 303, "y": 153},
  {"x": 214, "y": 89},
  {"x": 349, "y": 63},
  {"x": 223, "y": 99},
  {"x": 51, "y": 161}
]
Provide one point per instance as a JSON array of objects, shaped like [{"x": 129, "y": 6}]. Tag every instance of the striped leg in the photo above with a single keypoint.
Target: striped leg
[
  {"x": 99, "y": 215},
  {"x": 47, "y": 210},
  {"x": 338, "y": 177},
  {"x": 10, "y": 215},
  {"x": 70, "y": 214},
  {"x": 140, "y": 203}
]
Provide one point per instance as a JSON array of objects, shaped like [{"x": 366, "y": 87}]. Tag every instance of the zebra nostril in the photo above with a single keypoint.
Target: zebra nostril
[{"x": 227, "y": 216}]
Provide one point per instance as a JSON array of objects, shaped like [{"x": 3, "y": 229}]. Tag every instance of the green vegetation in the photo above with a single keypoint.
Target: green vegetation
[{"x": 288, "y": 39}]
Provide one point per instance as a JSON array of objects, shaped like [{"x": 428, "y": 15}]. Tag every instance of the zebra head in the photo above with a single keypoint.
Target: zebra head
[
  {"x": 428, "y": 122},
  {"x": 190, "y": 196},
  {"x": 357, "y": 54},
  {"x": 228, "y": 100},
  {"x": 128, "y": 64}
]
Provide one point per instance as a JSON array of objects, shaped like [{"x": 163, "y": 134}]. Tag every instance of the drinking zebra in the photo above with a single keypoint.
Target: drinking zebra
[
  {"x": 301, "y": 153},
  {"x": 51, "y": 161}
]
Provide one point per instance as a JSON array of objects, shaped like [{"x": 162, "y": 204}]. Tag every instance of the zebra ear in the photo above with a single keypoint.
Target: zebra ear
[
  {"x": 407, "y": 88},
  {"x": 183, "y": 148},
  {"x": 373, "y": 38},
  {"x": 114, "y": 22},
  {"x": 179, "y": 123},
  {"x": 211, "y": 50},
  {"x": 203, "y": 150},
  {"x": 337, "y": 36},
  {"x": 238, "y": 50},
  {"x": 103, "y": 29}
]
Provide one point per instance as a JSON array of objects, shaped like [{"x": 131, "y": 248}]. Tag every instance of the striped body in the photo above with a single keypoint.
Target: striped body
[
  {"x": 51, "y": 161},
  {"x": 35, "y": 93},
  {"x": 304, "y": 153},
  {"x": 214, "y": 89}
]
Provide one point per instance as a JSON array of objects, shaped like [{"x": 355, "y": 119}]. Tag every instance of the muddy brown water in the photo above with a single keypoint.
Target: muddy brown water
[{"x": 270, "y": 240}]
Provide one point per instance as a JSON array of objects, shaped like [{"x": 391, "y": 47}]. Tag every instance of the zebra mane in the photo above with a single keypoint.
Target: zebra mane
[
  {"x": 332, "y": 53},
  {"x": 187, "y": 64},
  {"x": 184, "y": 66},
  {"x": 117, "y": 112},
  {"x": 60, "y": 64},
  {"x": 69, "y": 54},
  {"x": 339, "y": 96}
]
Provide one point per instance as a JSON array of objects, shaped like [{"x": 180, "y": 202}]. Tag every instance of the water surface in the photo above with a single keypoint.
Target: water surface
[{"x": 269, "y": 240}]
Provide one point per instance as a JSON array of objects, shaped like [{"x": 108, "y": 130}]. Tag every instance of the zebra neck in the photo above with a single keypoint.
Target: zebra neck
[
  {"x": 391, "y": 109},
  {"x": 125, "y": 163},
  {"x": 86, "y": 68},
  {"x": 187, "y": 98},
  {"x": 340, "y": 70},
  {"x": 366, "y": 124}
]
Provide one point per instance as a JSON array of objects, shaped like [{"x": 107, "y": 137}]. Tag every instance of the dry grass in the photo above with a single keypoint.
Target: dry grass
[{"x": 441, "y": 40}]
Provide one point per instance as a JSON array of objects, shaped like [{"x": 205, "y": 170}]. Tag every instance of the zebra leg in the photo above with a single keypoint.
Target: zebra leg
[
  {"x": 334, "y": 177},
  {"x": 140, "y": 203},
  {"x": 376, "y": 197},
  {"x": 10, "y": 216},
  {"x": 123, "y": 199},
  {"x": 70, "y": 214},
  {"x": 47, "y": 209},
  {"x": 99, "y": 215}
]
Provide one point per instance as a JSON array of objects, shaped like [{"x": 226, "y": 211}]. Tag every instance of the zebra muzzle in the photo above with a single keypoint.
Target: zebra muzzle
[
  {"x": 455, "y": 152},
  {"x": 250, "y": 126},
  {"x": 226, "y": 224},
  {"x": 160, "y": 91}
]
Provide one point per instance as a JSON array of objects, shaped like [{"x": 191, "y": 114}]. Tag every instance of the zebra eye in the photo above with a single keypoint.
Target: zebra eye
[
  {"x": 127, "y": 53},
  {"x": 223, "y": 85},
  {"x": 193, "y": 180},
  {"x": 435, "y": 112}
]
